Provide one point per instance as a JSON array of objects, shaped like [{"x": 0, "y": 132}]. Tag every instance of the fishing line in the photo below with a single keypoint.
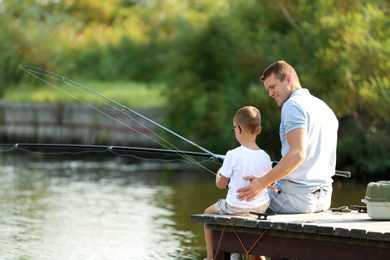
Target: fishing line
[
  {"x": 100, "y": 150},
  {"x": 33, "y": 70},
  {"x": 37, "y": 72},
  {"x": 63, "y": 79}
]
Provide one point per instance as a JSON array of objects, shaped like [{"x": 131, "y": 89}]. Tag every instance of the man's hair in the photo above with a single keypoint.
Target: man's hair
[
  {"x": 280, "y": 69},
  {"x": 248, "y": 117}
]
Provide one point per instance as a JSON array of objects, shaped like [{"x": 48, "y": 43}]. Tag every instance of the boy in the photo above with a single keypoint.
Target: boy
[{"x": 245, "y": 160}]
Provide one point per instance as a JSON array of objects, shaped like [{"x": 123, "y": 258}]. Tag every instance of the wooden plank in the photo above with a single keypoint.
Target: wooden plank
[
  {"x": 251, "y": 223},
  {"x": 375, "y": 236},
  {"x": 197, "y": 218},
  {"x": 310, "y": 228},
  {"x": 358, "y": 233},
  {"x": 238, "y": 221},
  {"x": 210, "y": 219},
  {"x": 279, "y": 225},
  {"x": 356, "y": 229},
  {"x": 386, "y": 236},
  {"x": 342, "y": 232},
  {"x": 295, "y": 227},
  {"x": 225, "y": 220},
  {"x": 354, "y": 224},
  {"x": 264, "y": 224},
  {"x": 326, "y": 230}
]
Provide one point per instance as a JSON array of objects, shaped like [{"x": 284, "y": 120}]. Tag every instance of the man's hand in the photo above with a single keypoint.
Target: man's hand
[{"x": 249, "y": 192}]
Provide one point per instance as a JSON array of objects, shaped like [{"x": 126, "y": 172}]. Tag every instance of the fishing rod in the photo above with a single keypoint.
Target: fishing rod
[
  {"x": 107, "y": 148},
  {"x": 346, "y": 174},
  {"x": 34, "y": 71},
  {"x": 122, "y": 151}
]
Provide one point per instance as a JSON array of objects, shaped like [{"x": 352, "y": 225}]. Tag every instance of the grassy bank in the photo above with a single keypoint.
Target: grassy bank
[{"x": 130, "y": 94}]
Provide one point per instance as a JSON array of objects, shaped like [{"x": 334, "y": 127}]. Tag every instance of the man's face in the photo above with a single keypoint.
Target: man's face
[{"x": 278, "y": 90}]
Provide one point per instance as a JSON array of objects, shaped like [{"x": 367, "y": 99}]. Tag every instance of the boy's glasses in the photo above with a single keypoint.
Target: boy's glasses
[{"x": 234, "y": 129}]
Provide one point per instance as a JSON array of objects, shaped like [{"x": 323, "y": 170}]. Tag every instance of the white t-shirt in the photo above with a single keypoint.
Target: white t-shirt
[
  {"x": 303, "y": 110},
  {"x": 241, "y": 162}
]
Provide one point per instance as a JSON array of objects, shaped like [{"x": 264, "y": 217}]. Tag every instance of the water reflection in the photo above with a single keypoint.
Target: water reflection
[
  {"x": 83, "y": 209},
  {"x": 90, "y": 210}
]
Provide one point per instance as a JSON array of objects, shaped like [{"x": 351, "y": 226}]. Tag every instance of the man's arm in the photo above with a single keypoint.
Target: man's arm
[{"x": 292, "y": 159}]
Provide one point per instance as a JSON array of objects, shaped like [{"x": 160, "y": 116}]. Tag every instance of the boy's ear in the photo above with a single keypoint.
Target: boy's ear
[{"x": 259, "y": 131}]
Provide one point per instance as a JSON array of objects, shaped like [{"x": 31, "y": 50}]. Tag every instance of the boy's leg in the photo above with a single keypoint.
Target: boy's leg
[{"x": 208, "y": 234}]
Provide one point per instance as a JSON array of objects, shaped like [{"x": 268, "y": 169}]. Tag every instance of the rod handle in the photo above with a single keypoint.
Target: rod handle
[{"x": 346, "y": 174}]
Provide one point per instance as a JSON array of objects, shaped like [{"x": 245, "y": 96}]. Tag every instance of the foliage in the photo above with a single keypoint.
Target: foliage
[
  {"x": 358, "y": 75},
  {"x": 30, "y": 33},
  {"x": 209, "y": 54},
  {"x": 129, "y": 94}
]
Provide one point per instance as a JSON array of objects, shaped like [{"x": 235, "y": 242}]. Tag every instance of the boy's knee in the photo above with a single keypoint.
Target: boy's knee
[{"x": 210, "y": 210}]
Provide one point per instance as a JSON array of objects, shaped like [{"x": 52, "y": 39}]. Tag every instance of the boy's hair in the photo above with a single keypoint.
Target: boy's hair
[
  {"x": 280, "y": 69},
  {"x": 248, "y": 117}
]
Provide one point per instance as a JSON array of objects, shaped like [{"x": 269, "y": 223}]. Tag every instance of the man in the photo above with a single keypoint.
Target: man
[{"x": 308, "y": 133}]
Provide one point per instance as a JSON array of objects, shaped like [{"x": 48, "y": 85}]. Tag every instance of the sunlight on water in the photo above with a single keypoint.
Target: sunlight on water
[{"x": 52, "y": 212}]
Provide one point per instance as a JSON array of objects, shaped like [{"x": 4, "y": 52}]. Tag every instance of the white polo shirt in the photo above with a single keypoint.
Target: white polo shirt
[{"x": 303, "y": 110}]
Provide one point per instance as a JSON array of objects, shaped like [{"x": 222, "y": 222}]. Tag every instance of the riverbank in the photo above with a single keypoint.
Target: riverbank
[{"x": 76, "y": 123}]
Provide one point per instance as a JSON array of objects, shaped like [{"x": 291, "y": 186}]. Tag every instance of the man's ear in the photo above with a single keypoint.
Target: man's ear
[{"x": 289, "y": 78}]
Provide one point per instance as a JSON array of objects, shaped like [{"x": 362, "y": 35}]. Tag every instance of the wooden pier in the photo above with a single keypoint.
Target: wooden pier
[{"x": 325, "y": 235}]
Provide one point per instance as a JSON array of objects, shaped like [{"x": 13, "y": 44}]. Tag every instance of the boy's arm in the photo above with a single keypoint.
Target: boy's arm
[{"x": 221, "y": 181}]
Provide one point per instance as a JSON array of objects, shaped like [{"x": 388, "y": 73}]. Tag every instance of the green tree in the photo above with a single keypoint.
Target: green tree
[
  {"x": 33, "y": 33},
  {"x": 356, "y": 54},
  {"x": 210, "y": 54},
  {"x": 210, "y": 75},
  {"x": 338, "y": 49}
]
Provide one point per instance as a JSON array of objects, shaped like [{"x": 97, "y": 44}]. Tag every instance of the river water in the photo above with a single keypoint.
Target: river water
[{"x": 106, "y": 208}]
